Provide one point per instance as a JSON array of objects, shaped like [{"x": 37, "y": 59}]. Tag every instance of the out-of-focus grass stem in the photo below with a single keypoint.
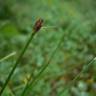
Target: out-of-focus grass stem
[{"x": 85, "y": 67}]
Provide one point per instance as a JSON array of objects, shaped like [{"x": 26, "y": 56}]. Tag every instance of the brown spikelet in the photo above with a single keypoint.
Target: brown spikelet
[{"x": 38, "y": 25}]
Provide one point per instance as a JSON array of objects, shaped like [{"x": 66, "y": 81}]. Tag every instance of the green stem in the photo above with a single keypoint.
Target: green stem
[
  {"x": 74, "y": 80},
  {"x": 17, "y": 62},
  {"x": 8, "y": 56},
  {"x": 30, "y": 84}
]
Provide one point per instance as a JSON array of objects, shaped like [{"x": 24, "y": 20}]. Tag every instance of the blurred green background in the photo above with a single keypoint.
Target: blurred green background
[{"x": 75, "y": 19}]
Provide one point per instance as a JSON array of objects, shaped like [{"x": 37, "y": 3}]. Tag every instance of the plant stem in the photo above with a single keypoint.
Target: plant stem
[
  {"x": 17, "y": 62},
  {"x": 30, "y": 84},
  {"x": 8, "y": 56},
  {"x": 76, "y": 77}
]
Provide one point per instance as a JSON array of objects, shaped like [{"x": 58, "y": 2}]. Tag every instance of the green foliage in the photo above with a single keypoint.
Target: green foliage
[
  {"x": 76, "y": 19},
  {"x": 9, "y": 30}
]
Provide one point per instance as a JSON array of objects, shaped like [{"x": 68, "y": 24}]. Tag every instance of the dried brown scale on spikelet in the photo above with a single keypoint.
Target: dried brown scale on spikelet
[{"x": 38, "y": 24}]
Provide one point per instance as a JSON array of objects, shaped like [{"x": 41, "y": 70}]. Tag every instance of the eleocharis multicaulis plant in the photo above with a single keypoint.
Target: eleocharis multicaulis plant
[{"x": 37, "y": 26}]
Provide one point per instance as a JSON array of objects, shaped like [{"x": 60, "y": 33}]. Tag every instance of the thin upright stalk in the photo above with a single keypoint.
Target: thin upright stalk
[
  {"x": 31, "y": 83},
  {"x": 17, "y": 62},
  {"x": 37, "y": 26},
  {"x": 76, "y": 77}
]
